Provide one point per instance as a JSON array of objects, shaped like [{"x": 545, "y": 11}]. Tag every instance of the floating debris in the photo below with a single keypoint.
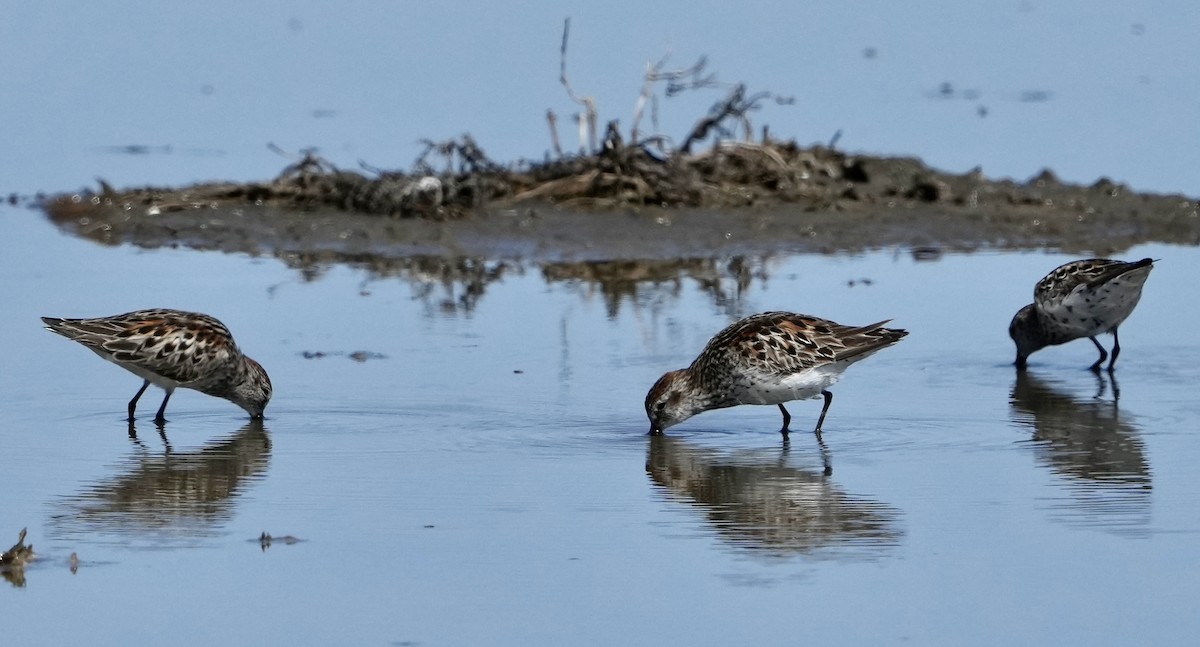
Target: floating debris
[
  {"x": 926, "y": 253},
  {"x": 265, "y": 540},
  {"x": 13, "y": 560},
  {"x": 19, "y": 554},
  {"x": 359, "y": 356},
  {"x": 1035, "y": 96}
]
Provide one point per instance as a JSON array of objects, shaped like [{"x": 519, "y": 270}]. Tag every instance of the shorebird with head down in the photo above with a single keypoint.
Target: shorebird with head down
[
  {"x": 1080, "y": 299},
  {"x": 768, "y": 358},
  {"x": 173, "y": 349}
]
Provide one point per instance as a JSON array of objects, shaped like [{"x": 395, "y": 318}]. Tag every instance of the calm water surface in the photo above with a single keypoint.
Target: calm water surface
[{"x": 489, "y": 480}]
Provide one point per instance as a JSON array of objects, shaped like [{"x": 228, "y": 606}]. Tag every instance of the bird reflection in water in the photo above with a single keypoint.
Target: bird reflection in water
[
  {"x": 759, "y": 502},
  {"x": 1086, "y": 440},
  {"x": 166, "y": 496},
  {"x": 160, "y": 427}
]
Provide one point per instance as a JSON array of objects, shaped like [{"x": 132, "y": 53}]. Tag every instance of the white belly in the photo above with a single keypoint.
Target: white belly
[
  {"x": 1086, "y": 313},
  {"x": 154, "y": 378},
  {"x": 798, "y": 386}
]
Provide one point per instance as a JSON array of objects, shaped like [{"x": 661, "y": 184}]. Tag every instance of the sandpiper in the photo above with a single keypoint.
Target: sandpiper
[
  {"x": 1080, "y": 299},
  {"x": 768, "y": 358},
  {"x": 173, "y": 349}
]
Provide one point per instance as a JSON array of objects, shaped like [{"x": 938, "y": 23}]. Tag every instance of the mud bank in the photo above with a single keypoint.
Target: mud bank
[{"x": 624, "y": 215}]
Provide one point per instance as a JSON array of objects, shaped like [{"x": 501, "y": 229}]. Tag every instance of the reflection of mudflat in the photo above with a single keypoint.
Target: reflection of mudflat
[
  {"x": 446, "y": 285},
  {"x": 1087, "y": 441},
  {"x": 764, "y": 504},
  {"x": 167, "y": 496},
  {"x": 647, "y": 280}
]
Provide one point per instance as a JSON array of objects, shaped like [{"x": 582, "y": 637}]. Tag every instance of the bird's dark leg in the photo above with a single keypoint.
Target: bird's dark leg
[
  {"x": 824, "y": 410},
  {"x": 1103, "y": 355},
  {"x": 1116, "y": 350},
  {"x": 1101, "y": 386},
  {"x": 160, "y": 418},
  {"x": 133, "y": 402},
  {"x": 826, "y": 461},
  {"x": 787, "y": 420}
]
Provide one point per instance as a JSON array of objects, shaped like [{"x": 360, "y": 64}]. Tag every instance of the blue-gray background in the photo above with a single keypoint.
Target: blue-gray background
[{"x": 1086, "y": 88}]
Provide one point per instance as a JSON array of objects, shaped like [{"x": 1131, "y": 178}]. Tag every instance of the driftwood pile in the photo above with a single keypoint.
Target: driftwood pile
[{"x": 728, "y": 175}]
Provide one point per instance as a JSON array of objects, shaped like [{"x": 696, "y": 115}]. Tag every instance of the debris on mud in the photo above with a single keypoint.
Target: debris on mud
[
  {"x": 730, "y": 175},
  {"x": 760, "y": 196}
]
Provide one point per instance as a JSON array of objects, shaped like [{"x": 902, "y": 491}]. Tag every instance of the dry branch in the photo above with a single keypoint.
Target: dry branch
[
  {"x": 589, "y": 119},
  {"x": 552, "y": 119},
  {"x": 734, "y": 108}
]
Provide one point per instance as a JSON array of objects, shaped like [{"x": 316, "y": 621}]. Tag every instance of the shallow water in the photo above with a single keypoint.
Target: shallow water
[{"x": 489, "y": 480}]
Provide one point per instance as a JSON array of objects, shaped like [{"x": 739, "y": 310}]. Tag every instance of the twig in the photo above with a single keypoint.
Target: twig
[
  {"x": 471, "y": 158},
  {"x": 833, "y": 141},
  {"x": 736, "y": 107},
  {"x": 308, "y": 164},
  {"x": 718, "y": 113},
  {"x": 588, "y": 103},
  {"x": 583, "y": 132},
  {"x": 691, "y": 78},
  {"x": 370, "y": 168},
  {"x": 677, "y": 81},
  {"x": 647, "y": 95},
  {"x": 552, "y": 119}
]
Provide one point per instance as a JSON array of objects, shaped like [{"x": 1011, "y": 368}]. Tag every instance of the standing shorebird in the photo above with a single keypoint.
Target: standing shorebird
[
  {"x": 173, "y": 349},
  {"x": 1080, "y": 299},
  {"x": 768, "y": 358}
]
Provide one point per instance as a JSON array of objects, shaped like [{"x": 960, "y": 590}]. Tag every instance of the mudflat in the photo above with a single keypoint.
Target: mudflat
[{"x": 626, "y": 203}]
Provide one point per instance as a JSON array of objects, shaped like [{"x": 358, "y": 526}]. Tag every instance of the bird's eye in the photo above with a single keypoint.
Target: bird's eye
[{"x": 658, "y": 408}]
